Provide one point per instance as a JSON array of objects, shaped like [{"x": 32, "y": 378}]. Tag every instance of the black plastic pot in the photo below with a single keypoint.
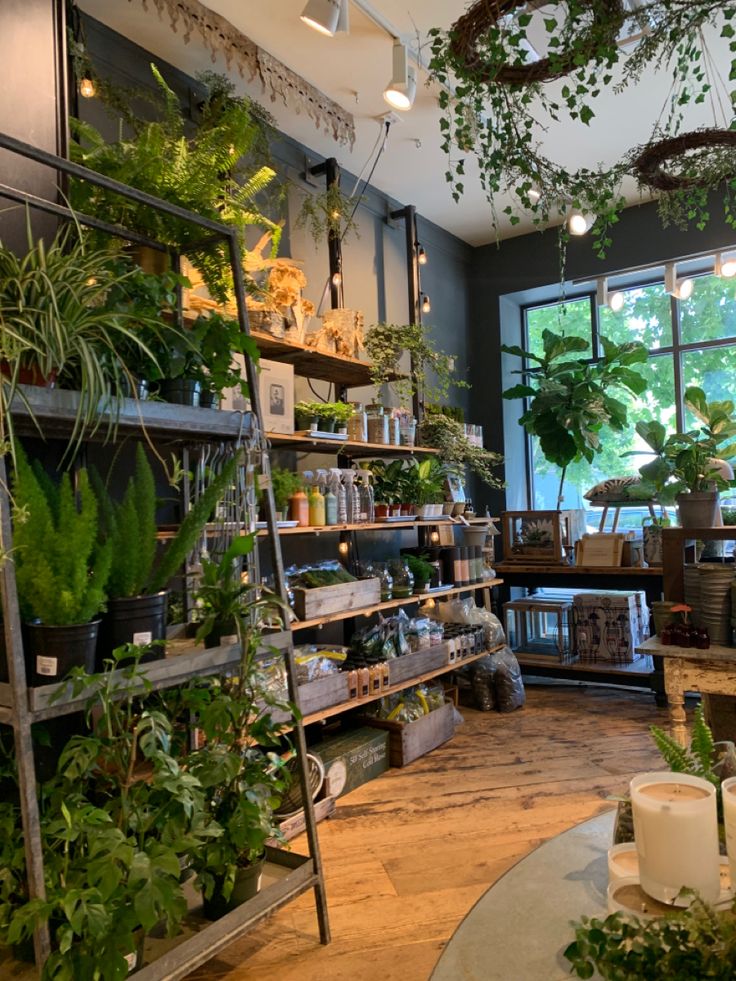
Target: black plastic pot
[
  {"x": 182, "y": 391},
  {"x": 139, "y": 388},
  {"x": 134, "y": 620},
  {"x": 220, "y": 628},
  {"x": 247, "y": 885},
  {"x": 208, "y": 399},
  {"x": 53, "y": 651}
]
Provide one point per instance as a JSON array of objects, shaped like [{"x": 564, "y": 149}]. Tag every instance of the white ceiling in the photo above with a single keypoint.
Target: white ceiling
[{"x": 353, "y": 70}]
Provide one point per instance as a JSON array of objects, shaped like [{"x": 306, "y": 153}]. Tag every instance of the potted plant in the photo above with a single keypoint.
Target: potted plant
[
  {"x": 389, "y": 485},
  {"x": 688, "y": 467},
  {"x": 285, "y": 484},
  {"x": 139, "y": 574},
  {"x": 210, "y": 176},
  {"x": 335, "y": 415},
  {"x": 428, "y": 488},
  {"x": 457, "y": 453},
  {"x": 221, "y": 594},
  {"x": 307, "y": 415},
  {"x": 571, "y": 399},
  {"x": 239, "y": 766},
  {"x": 421, "y": 569},
  {"x": 61, "y": 569},
  {"x": 431, "y": 372},
  {"x": 58, "y": 329},
  {"x": 217, "y": 338}
]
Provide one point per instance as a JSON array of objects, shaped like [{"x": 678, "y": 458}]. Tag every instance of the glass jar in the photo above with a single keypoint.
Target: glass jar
[
  {"x": 377, "y": 424},
  {"x": 394, "y": 431},
  {"x": 402, "y": 578},
  {"x": 380, "y": 569},
  {"x": 358, "y": 424}
]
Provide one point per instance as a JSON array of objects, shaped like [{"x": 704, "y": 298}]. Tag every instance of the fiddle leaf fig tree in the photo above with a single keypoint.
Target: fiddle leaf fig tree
[{"x": 571, "y": 399}]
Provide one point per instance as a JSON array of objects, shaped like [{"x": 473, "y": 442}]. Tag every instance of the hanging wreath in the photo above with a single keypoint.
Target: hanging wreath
[
  {"x": 650, "y": 166},
  {"x": 593, "y": 42}
]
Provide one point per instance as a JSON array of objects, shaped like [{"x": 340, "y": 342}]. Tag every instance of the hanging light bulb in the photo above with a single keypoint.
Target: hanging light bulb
[
  {"x": 534, "y": 195},
  {"x": 87, "y": 88},
  {"x": 421, "y": 256},
  {"x": 336, "y": 279},
  {"x": 681, "y": 289},
  {"x": 402, "y": 89},
  {"x": 578, "y": 223},
  {"x": 426, "y": 305},
  {"x": 614, "y": 301}
]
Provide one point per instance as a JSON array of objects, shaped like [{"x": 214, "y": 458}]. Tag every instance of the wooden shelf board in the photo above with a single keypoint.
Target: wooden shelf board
[
  {"x": 182, "y": 662},
  {"x": 641, "y": 667},
  {"x": 55, "y": 411},
  {"x": 309, "y": 362},
  {"x": 311, "y": 444},
  {"x": 393, "y": 689},
  {"x": 392, "y": 604},
  {"x": 716, "y": 652},
  {"x": 508, "y": 568}
]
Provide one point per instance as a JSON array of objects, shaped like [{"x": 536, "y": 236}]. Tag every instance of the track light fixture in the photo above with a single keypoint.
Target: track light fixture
[
  {"x": 421, "y": 255},
  {"x": 402, "y": 89},
  {"x": 579, "y": 223},
  {"x": 681, "y": 289},
  {"x": 426, "y": 305},
  {"x": 326, "y": 16},
  {"x": 614, "y": 301},
  {"x": 724, "y": 267}
]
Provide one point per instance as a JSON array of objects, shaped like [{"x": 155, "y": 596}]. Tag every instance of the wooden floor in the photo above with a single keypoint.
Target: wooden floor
[{"x": 407, "y": 855}]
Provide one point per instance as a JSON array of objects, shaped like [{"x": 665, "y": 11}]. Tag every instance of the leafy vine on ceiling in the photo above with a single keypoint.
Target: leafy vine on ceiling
[{"x": 497, "y": 105}]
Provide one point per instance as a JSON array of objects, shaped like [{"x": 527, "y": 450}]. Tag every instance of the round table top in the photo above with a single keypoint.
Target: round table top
[{"x": 520, "y": 927}]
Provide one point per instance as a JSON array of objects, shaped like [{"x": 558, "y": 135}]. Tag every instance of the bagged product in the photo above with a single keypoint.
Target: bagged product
[{"x": 507, "y": 681}]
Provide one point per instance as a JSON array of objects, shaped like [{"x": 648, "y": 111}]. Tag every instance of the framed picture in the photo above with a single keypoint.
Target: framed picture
[
  {"x": 456, "y": 489},
  {"x": 276, "y": 389}
]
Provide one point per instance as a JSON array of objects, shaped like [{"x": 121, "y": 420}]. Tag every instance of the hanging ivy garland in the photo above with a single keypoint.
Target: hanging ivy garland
[{"x": 494, "y": 104}]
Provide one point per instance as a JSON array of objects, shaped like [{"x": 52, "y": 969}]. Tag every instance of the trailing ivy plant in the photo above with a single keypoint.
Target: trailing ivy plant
[
  {"x": 494, "y": 102},
  {"x": 456, "y": 451},
  {"x": 570, "y": 399},
  {"x": 432, "y": 371},
  {"x": 330, "y": 212}
]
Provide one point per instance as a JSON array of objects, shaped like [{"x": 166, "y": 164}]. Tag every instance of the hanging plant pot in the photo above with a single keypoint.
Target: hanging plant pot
[
  {"x": 247, "y": 885},
  {"x": 134, "y": 620},
  {"x": 53, "y": 651},
  {"x": 698, "y": 509},
  {"x": 182, "y": 391}
]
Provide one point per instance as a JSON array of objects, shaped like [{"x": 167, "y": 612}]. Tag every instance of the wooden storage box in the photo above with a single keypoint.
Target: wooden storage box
[
  {"x": 323, "y": 693},
  {"x": 537, "y": 537},
  {"x": 401, "y": 669},
  {"x": 410, "y": 740},
  {"x": 319, "y": 602}
]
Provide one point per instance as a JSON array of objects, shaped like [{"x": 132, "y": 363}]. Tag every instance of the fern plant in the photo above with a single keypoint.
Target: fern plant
[
  {"x": 698, "y": 760},
  {"x": 61, "y": 565},
  {"x": 201, "y": 173}
]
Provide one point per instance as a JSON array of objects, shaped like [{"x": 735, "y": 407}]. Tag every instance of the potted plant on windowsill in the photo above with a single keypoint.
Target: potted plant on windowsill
[
  {"x": 239, "y": 765},
  {"x": 688, "y": 467},
  {"x": 61, "y": 569}
]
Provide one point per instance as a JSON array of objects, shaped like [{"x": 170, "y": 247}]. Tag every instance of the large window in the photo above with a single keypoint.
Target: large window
[{"x": 690, "y": 342}]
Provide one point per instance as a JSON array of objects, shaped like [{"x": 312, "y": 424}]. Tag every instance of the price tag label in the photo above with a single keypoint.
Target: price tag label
[
  {"x": 143, "y": 638},
  {"x": 47, "y": 666}
]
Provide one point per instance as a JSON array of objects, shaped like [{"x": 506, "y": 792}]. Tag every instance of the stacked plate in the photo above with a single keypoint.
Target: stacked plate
[{"x": 715, "y": 600}]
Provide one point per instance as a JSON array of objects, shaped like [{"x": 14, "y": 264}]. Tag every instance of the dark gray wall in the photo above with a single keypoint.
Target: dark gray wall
[
  {"x": 502, "y": 278},
  {"x": 31, "y": 108}
]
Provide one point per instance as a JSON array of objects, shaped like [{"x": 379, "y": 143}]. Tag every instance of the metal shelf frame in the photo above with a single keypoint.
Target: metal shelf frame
[{"x": 19, "y": 713}]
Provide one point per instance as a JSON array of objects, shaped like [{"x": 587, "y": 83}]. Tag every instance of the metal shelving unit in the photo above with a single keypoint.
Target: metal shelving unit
[{"x": 21, "y": 706}]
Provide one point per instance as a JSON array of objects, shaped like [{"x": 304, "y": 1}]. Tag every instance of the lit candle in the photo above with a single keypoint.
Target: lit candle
[
  {"x": 728, "y": 793},
  {"x": 623, "y": 861},
  {"x": 676, "y": 833}
]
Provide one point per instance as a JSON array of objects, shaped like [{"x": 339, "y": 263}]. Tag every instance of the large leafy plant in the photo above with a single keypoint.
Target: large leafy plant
[
  {"x": 432, "y": 372},
  {"x": 204, "y": 172},
  {"x": 685, "y": 462},
  {"x": 571, "y": 399}
]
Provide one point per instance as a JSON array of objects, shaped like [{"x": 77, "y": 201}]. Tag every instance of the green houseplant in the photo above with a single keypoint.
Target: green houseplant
[
  {"x": 432, "y": 372},
  {"x": 456, "y": 452},
  {"x": 204, "y": 173},
  {"x": 61, "y": 568},
  {"x": 686, "y": 465},
  {"x": 221, "y": 594},
  {"x": 570, "y": 399},
  {"x": 239, "y": 766},
  {"x": 139, "y": 574},
  {"x": 285, "y": 483}
]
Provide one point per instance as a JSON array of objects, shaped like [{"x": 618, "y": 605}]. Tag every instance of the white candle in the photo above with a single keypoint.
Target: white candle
[
  {"x": 623, "y": 861},
  {"x": 676, "y": 833},
  {"x": 728, "y": 793}
]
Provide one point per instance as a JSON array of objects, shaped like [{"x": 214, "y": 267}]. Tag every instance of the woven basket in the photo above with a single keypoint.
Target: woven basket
[{"x": 292, "y": 801}]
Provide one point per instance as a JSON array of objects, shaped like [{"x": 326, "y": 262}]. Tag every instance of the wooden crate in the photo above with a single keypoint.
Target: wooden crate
[
  {"x": 296, "y": 823},
  {"x": 517, "y": 524},
  {"x": 323, "y": 693},
  {"x": 401, "y": 669},
  {"x": 407, "y": 741},
  {"x": 311, "y": 603}
]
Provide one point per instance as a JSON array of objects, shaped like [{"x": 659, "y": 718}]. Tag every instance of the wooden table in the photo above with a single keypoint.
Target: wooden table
[{"x": 711, "y": 672}]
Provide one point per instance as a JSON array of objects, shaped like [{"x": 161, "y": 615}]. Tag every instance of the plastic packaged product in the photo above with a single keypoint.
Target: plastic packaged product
[
  {"x": 436, "y": 633},
  {"x": 420, "y": 628},
  {"x": 273, "y": 671},
  {"x": 313, "y": 662},
  {"x": 507, "y": 681}
]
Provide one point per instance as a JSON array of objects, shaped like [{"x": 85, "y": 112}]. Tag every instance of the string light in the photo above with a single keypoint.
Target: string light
[
  {"x": 87, "y": 88},
  {"x": 421, "y": 256},
  {"x": 426, "y": 305}
]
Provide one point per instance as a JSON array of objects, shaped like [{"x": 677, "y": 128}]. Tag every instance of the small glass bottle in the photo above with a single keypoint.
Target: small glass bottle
[
  {"x": 666, "y": 637},
  {"x": 702, "y": 639}
]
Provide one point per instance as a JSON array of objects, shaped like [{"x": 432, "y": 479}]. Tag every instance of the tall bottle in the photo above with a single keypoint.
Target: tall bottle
[
  {"x": 338, "y": 489},
  {"x": 316, "y": 505},
  {"x": 352, "y": 498},
  {"x": 367, "y": 502},
  {"x": 331, "y": 499}
]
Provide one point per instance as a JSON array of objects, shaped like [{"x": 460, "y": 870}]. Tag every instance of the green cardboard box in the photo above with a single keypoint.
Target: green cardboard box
[{"x": 352, "y": 759}]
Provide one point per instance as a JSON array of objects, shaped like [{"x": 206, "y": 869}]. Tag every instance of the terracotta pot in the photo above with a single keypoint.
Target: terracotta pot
[{"x": 381, "y": 510}]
